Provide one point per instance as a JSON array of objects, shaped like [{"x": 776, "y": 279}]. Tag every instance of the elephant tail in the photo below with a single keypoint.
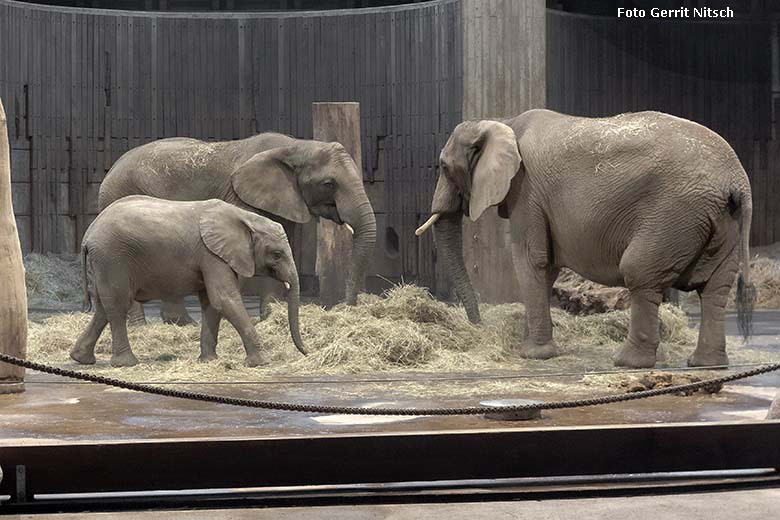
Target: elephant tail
[
  {"x": 746, "y": 291},
  {"x": 87, "y": 299}
]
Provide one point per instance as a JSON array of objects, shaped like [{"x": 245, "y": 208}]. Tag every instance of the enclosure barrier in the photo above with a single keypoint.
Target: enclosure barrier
[
  {"x": 38, "y": 474},
  {"x": 349, "y": 464}
]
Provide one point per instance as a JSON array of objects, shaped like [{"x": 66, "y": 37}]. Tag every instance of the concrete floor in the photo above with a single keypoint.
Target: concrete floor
[
  {"x": 55, "y": 408},
  {"x": 758, "y": 504}
]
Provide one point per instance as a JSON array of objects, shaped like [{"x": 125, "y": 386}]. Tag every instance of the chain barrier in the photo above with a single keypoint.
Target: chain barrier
[
  {"x": 354, "y": 410},
  {"x": 432, "y": 379}
]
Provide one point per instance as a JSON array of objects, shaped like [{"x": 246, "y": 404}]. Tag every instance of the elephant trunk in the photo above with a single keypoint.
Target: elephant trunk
[
  {"x": 449, "y": 239},
  {"x": 293, "y": 305},
  {"x": 363, "y": 222}
]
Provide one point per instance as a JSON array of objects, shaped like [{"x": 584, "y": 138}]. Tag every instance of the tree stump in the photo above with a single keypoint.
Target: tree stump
[
  {"x": 339, "y": 122},
  {"x": 13, "y": 297}
]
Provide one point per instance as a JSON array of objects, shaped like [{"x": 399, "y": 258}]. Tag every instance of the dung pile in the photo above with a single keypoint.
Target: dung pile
[
  {"x": 53, "y": 281},
  {"x": 404, "y": 331}
]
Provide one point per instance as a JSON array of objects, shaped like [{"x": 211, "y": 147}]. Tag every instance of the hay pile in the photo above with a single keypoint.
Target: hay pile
[
  {"x": 405, "y": 331},
  {"x": 53, "y": 281},
  {"x": 765, "y": 275},
  {"x": 579, "y": 296}
]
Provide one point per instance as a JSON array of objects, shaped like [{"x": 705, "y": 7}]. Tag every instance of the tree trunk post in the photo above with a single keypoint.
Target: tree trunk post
[
  {"x": 13, "y": 299},
  {"x": 338, "y": 122}
]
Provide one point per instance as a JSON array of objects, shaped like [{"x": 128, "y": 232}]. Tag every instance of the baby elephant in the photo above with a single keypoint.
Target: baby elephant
[{"x": 142, "y": 248}]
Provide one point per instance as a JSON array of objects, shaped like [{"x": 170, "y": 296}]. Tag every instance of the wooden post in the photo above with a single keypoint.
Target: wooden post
[
  {"x": 13, "y": 296},
  {"x": 335, "y": 122}
]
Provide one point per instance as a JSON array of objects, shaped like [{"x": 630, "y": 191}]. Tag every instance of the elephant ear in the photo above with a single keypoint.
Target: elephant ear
[
  {"x": 267, "y": 182},
  {"x": 498, "y": 163},
  {"x": 226, "y": 234}
]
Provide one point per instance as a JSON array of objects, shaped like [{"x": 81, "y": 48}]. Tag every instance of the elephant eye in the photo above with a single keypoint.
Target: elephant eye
[{"x": 329, "y": 183}]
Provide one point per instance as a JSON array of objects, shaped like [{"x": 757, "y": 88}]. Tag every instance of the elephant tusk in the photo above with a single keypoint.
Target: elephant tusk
[
  {"x": 349, "y": 228},
  {"x": 287, "y": 285},
  {"x": 428, "y": 223}
]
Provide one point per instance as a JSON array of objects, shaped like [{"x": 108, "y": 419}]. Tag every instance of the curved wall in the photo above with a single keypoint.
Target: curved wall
[
  {"x": 83, "y": 86},
  {"x": 716, "y": 73}
]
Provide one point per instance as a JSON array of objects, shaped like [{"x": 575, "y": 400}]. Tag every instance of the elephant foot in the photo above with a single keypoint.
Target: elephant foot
[
  {"x": 531, "y": 350},
  {"x": 125, "y": 359},
  {"x": 82, "y": 355},
  {"x": 701, "y": 358},
  {"x": 205, "y": 358},
  {"x": 633, "y": 356},
  {"x": 256, "y": 359},
  {"x": 176, "y": 319}
]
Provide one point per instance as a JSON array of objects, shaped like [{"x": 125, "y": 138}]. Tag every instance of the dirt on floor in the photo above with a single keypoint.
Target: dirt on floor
[{"x": 405, "y": 331}]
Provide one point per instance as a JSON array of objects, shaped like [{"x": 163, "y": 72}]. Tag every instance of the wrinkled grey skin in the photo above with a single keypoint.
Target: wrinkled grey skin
[
  {"x": 286, "y": 179},
  {"x": 646, "y": 201},
  {"x": 142, "y": 248}
]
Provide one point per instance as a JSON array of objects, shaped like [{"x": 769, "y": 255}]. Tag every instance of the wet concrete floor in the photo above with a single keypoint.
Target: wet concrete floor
[{"x": 55, "y": 408}]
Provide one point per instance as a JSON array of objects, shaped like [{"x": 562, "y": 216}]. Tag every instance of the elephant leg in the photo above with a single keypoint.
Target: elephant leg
[
  {"x": 84, "y": 349},
  {"x": 711, "y": 347},
  {"x": 175, "y": 313},
  {"x": 536, "y": 280},
  {"x": 121, "y": 354},
  {"x": 224, "y": 295},
  {"x": 117, "y": 301},
  {"x": 136, "y": 315},
  {"x": 234, "y": 311},
  {"x": 639, "y": 349},
  {"x": 209, "y": 329}
]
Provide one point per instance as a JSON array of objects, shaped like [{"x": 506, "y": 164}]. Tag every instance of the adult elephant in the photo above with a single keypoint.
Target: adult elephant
[
  {"x": 646, "y": 201},
  {"x": 274, "y": 175}
]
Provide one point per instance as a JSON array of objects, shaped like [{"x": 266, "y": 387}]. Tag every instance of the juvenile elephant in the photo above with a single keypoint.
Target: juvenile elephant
[
  {"x": 270, "y": 174},
  {"x": 646, "y": 201},
  {"x": 142, "y": 248}
]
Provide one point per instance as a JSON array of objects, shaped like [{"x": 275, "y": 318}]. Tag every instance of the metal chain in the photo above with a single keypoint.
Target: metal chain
[{"x": 354, "y": 410}]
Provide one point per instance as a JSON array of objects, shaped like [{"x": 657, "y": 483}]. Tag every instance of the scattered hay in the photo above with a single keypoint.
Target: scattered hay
[
  {"x": 53, "y": 281},
  {"x": 405, "y": 331}
]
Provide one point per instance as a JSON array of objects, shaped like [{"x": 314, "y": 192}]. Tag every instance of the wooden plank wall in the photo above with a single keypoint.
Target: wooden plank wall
[
  {"x": 504, "y": 75},
  {"x": 100, "y": 82},
  {"x": 714, "y": 73}
]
